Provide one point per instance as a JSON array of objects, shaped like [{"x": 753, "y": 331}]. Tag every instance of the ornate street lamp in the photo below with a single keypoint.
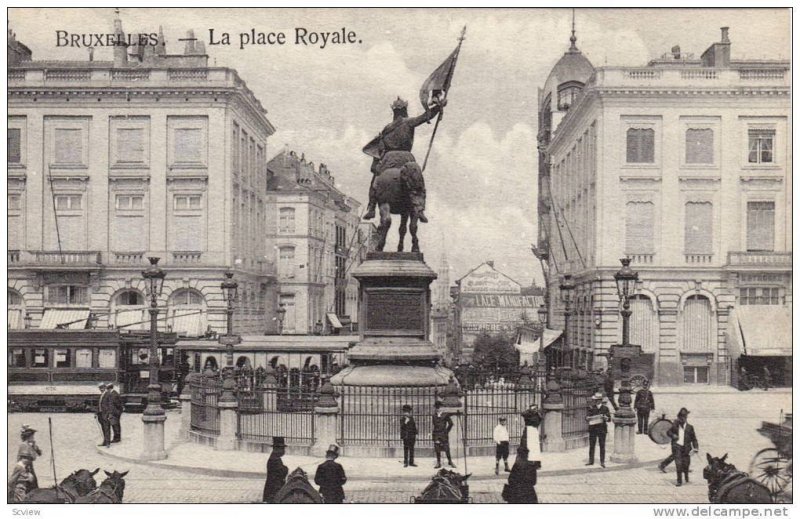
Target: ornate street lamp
[
  {"x": 567, "y": 286},
  {"x": 541, "y": 368},
  {"x": 281, "y": 311},
  {"x": 624, "y": 418},
  {"x": 153, "y": 416},
  {"x": 230, "y": 289}
]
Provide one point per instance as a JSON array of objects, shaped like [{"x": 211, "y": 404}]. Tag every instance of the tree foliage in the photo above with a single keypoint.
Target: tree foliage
[{"x": 494, "y": 351}]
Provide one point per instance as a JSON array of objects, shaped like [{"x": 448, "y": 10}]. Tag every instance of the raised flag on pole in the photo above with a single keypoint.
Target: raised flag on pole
[{"x": 439, "y": 81}]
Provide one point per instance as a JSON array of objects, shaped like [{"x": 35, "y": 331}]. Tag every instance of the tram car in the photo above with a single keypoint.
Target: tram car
[{"x": 59, "y": 370}]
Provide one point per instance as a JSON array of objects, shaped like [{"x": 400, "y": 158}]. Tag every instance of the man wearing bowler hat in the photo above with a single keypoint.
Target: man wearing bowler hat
[
  {"x": 276, "y": 470},
  {"x": 408, "y": 433},
  {"x": 598, "y": 416},
  {"x": 103, "y": 409},
  {"x": 115, "y": 414},
  {"x": 684, "y": 442},
  {"x": 331, "y": 478}
]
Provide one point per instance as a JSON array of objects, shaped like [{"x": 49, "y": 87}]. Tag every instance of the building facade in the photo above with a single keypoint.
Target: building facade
[
  {"x": 111, "y": 162},
  {"x": 684, "y": 166},
  {"x": 488, "y": 301},
  {"x": 316, "y": 238}
]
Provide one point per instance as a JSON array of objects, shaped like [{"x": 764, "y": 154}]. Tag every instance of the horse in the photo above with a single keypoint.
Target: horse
[
  {"x": 110, "y": 490},
  {"x": 727, "y": 485},
  {"x": 297, "y": 490},
  {"x": 446, "y": 486},
  {"x": 77, "y": 484},
  {"x": 392, "y": 197}
]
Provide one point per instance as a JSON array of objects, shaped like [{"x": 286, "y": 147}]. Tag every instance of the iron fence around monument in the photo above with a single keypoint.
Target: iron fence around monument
[
  {"x": 204, "y": 410},
  {"x": 575, "y": 395},
  {"x": 483, "y": 409},
  {"x": 265, "y": 412}
]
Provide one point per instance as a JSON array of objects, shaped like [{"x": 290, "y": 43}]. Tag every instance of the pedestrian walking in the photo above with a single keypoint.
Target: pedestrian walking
[
  {"x": 521, "y": 486},
  {"x": 608, "y": 387},
  {"x": 442, "y": 424},
  {"x": 530, "y": 435},
  {"x": 331, "y": 478},
  {"x": 598, "y": 416},
  {"x": 501, "y": 442},
  {"x": 115, "y": 415},
  {"x": 276, "y": 470},
  {"x": 103, "y": 413},
  {"x": 643, "y": 403},
  {"x": 22, "y": 479},
  {"x": 29, "y": 450},
  {"x": 408, "y": 433},
  {"x": 684, "y": 442}
]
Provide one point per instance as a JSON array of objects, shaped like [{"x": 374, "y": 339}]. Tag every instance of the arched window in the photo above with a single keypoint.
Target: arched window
[
  {"x": 644, "y": 323},
  {"x": 128, "y": 311},
  {"x": 211, "y": 363},
  {"x": 697, "y": 325},
  {"x": 568, "y": 94},
  {"x": 187, "y": 313},
  {"x": 16, "y": 310}
]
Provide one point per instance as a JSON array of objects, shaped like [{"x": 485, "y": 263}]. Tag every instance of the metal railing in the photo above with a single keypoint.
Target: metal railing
[
  {"x": 575, "y": 394},
  {"x": 760, "y": 258},
  {"x": 263, "y": 413},
  {"x": 205, "y": 412},
  {"x": 483, "y": 409}
]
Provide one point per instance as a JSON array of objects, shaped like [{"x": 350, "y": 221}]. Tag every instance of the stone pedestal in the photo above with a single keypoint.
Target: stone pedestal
[
  {"x": 624, "y": 439},
  {"x": 324, "y": 429},
  {"x": 226, "y": 441},
  {"x": 186, "y": 415},
  {"x": 551, "y": 427},
  {"x": 153, "y": 445}
]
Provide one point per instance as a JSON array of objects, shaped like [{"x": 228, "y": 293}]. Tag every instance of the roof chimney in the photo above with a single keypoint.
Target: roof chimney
[
  {"x": 718, "y": 54},
  {"x": 676, "y": 52},
  {"x": 725, "y": 34}
]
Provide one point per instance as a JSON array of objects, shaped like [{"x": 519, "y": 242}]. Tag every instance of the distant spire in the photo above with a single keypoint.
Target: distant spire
[
  {"x": 161, "y": 49},
  {"x": 573, "y": 38}
]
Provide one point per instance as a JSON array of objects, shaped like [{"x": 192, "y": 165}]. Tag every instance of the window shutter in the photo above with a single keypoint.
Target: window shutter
[
  {"x": 68, "y": 146},
  {"x": 697, "y": 325},
  {"x": 187, "y": 233},
  {"x": 639, "y": 228},
  {"x": 187, "y": 144},
  {"x": 698, "y": 228},
  {"x": 699, "y": 146},
  {"x": 130, "y": 145},
  {"x": 761, "y": 226},
  {"x": 640, "y": 145},
  {"x": 14, "y": 146}
]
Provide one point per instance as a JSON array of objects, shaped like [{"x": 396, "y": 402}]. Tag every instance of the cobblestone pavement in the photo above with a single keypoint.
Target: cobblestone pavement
[{"x": 725, "y": 423}]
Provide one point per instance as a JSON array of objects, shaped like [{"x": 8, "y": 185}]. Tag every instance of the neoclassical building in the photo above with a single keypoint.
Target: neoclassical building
[
  {"x": 684, "y": 166},
  {"x": 109, "y": 162}
]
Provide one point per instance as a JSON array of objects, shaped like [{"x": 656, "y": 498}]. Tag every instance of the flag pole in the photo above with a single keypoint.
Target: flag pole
[
  {"x": 447, "y": 85},
  {"x": 52, "y": 454}
]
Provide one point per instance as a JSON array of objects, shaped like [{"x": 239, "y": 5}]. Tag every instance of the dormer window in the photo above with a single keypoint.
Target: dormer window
[{"x": 568, "y": 94}]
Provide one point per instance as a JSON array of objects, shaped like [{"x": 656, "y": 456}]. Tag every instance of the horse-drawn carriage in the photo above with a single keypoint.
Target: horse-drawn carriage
[{"x": 773, "y": 466}]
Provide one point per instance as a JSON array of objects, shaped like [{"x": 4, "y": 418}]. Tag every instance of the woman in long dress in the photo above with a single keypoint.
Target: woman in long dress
[
  {"x": 530, "y": 437},
  {"x": 521, "y": 487}
]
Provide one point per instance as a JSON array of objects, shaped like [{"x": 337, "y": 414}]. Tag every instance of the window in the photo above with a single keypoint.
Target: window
[
  {"x": 68, "y": 146},
  {"x": 130, "y": 297},
  {"x": 286, "y": 264},
  {"x": 697, "y": 237},
  {"x": 67, "y": 295},
  {"x": 107, "y": 358},
  {"x": 62, "y": 357},
  {"x": 286, "y": 220},
  {"x": 68, "y": 202},
  {"x": 129, "y": 202},
  {"x": 639, "y": 228},
  {"x": 83, "y": 358},
  {"x": 187, "y": 297},
  {"x": 760, "y": 296},
  {"x": 130, "y": 145},
  {"x": 14, "y": 203},
  {"x": 188, "y": 202},
  {"x": 567, "y": 96},
  {"x": 14, "y": 299},
  {"x": 16, "y": 358},
  {"x": 187, "y": 145},
  {"x": 761, "y": 146},
  {"x": 14, "y": 145},
  {"x": 640, "y": 146},
  {"x": 40, "y": 357},
  {"x": 700, "y": 146},
  {"x": 695, "y": 375},
  {"x": 760, "y": 226}
]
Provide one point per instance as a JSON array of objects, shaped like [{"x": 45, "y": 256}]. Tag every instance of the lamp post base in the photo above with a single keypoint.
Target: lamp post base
[
  {"x": 153, "y": 445},
  {"x": 624, "y": 439}
]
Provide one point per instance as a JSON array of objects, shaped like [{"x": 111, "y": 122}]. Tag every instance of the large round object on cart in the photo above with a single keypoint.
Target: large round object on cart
[{"x": 657, "y": 430}]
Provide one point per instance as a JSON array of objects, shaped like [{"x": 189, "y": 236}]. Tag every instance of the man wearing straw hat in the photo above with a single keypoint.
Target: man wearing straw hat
[
  {"x": 331, "y": 478},
  {"x": 598, "y": 416},
  {"x": 276, "y": 470}
]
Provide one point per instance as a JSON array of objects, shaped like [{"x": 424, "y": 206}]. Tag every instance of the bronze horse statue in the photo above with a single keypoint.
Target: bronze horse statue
[
  {"x": 74, "y": 486},
  {"x": 297, "y": 490},
  {"x": 110, "y": 491},
  {"x": 392, "y": 197},
  {"x": 727, "y": 485},
  {"x": 446, "y": 486}
]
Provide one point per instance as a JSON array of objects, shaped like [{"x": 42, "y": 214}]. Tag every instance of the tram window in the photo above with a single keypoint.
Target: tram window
[
  {"x": 83, "y": 358},
  {"x": 17, "y": 358},
  {"x": 39, "y": 358},
  {"x": 107, "y": 358},
  {"x": 62, "y": 358}
]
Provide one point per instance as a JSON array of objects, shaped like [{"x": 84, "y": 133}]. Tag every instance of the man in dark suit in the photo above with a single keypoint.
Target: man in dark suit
[
  {"x": 276, "y": 470},
  {"x": 684, "y": 442},
  {"x": 102, "y": 417},
  {"x": 643, "y": 403},
  {"x": 115, "y": 412},
  {"x": 331, "y": 478},
  {"x": 408, "y": 433},
  {"x": 598, "y": 416},
  {"x": 442, "y": 423}
]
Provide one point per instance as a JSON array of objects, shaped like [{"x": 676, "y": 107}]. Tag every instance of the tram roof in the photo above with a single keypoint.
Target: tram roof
[{"x": 277, "y": 343}]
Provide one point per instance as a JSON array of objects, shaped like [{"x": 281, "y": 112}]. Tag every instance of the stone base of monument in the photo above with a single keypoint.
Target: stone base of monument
[{"x": 394, "y": 363}]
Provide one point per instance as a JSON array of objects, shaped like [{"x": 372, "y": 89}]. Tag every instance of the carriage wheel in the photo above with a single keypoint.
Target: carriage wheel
[
  {"x": 770, "y": 468},
  {"x": 637, "y": 382}
]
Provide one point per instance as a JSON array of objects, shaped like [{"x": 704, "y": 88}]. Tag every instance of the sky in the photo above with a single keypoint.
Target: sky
[{"x": 329, "y": 102}]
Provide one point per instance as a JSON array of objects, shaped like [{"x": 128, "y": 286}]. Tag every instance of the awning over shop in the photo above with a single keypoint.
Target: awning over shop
[
  {"x": 334, "y": 321},
  {"x": 761, "y": 330},
  {"x": 53, "y": 317},
  {"x": 550, "y": 336},
  {"x": 187, "y": 323},
  {"x": 131, "y": 319},
  {"x": 15, "y": 320}
]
